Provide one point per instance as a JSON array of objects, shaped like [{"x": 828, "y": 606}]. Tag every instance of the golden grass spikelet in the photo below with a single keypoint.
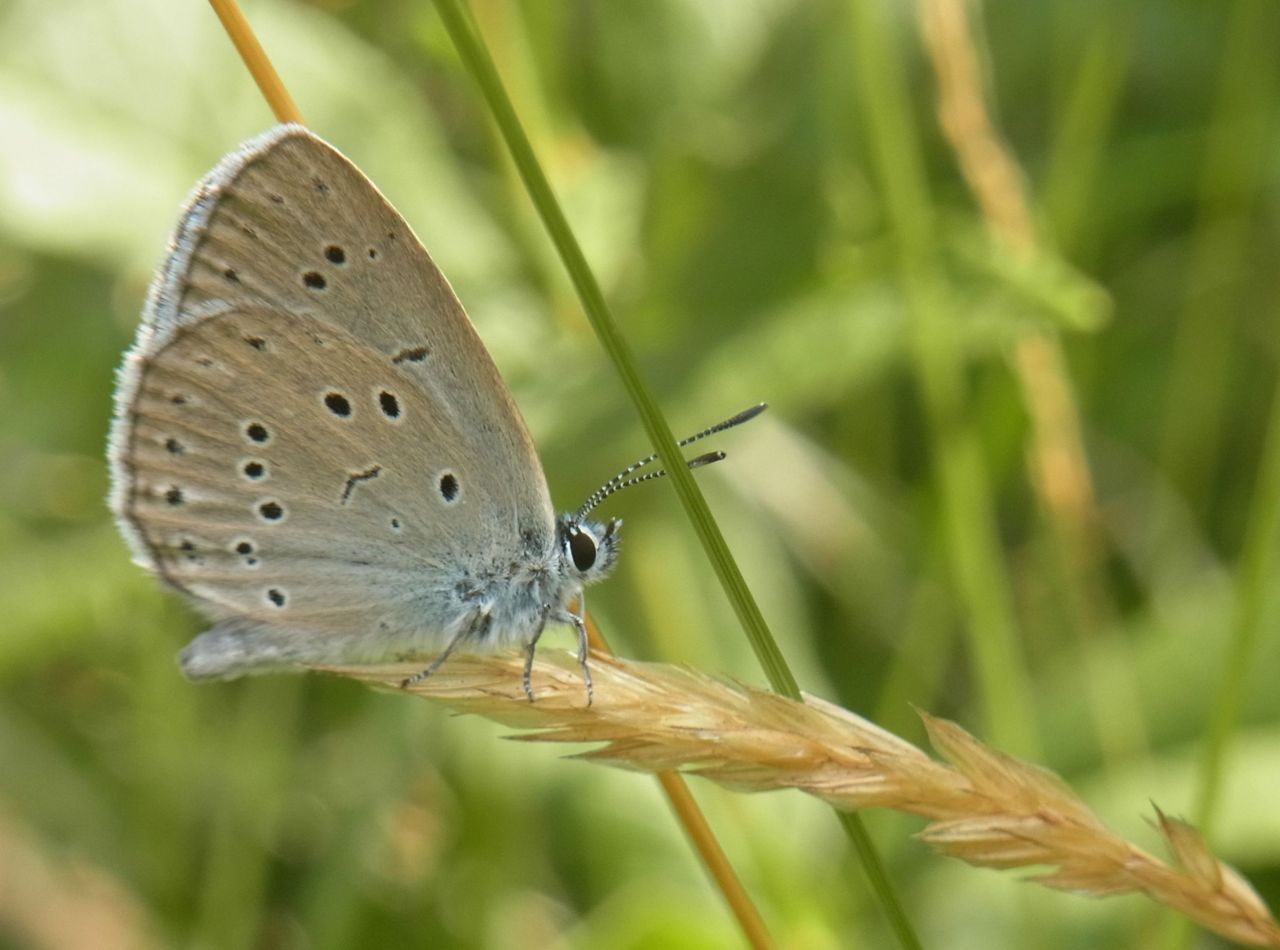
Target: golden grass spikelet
[{"x": 984, "y": 807}]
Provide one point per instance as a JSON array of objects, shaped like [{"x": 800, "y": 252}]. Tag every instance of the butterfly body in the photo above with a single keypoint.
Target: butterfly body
[{"x": 312, "y": 443}]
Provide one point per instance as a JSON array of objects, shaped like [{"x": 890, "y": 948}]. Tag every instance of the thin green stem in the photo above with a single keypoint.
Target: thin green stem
[
  {"x": 1234, "y": 176},
  {"x": 1253, "y": 577},
  {"x": 477, "y": 60},
  {"x": 1082, "y": 127}
]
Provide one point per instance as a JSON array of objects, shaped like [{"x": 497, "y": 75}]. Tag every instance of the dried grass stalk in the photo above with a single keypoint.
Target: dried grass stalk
[{"x": 984, "y": 807}]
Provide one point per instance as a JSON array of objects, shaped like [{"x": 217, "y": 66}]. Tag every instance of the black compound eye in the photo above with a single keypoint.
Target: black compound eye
[{"x": 582, "y": 547}]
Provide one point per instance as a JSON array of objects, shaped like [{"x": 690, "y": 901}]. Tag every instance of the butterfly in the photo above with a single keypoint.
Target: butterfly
[{"x": 312, "y": 443}]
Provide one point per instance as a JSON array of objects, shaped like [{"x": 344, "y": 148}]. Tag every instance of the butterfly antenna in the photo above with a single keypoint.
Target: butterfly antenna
[{"x": 624, "y": 480}]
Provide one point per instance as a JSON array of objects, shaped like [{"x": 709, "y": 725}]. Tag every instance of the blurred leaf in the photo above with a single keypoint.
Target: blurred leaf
[{"x": 1029, "y": 293}]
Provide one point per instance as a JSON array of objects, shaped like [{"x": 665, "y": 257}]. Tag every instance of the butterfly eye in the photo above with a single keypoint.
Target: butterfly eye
[{"x": 582, "y": 548}]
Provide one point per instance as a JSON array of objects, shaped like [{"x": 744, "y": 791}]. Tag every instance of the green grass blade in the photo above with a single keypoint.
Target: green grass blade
[
  {"x": 476, "y": 58},
  {"x": 1253, "y": 576}
]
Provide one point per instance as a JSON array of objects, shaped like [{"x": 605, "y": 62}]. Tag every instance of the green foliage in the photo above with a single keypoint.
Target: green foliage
[{"x": 718, "y": 163}]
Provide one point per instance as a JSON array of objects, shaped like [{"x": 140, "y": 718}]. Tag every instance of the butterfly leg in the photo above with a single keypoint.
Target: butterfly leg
[
  {"x": 564, "y": 615},
  {"x": 582, "y": 653},
  {"x": 479, "y": 622},
  {"x": 575, "y": 618},
  {"x": 529, "y": 650}
]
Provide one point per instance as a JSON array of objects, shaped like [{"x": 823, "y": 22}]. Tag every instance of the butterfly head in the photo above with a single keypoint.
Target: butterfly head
[{"x": 589, "y": 549}]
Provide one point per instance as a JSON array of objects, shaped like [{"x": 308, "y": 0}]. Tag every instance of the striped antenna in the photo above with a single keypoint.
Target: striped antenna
[{"x": 623, "y": 480}]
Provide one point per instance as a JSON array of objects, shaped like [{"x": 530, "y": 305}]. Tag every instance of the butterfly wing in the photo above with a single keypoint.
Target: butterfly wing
[{"x": 309, "y": 434}]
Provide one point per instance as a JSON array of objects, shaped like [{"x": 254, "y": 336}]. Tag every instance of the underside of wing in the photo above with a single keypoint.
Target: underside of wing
[
  {"x": 289, "y": 224},
  {"x": 282, "y": 472}
]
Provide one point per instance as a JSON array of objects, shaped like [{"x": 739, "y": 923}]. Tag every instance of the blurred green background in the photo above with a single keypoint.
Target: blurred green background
[{"x": 750, "y": 198}]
